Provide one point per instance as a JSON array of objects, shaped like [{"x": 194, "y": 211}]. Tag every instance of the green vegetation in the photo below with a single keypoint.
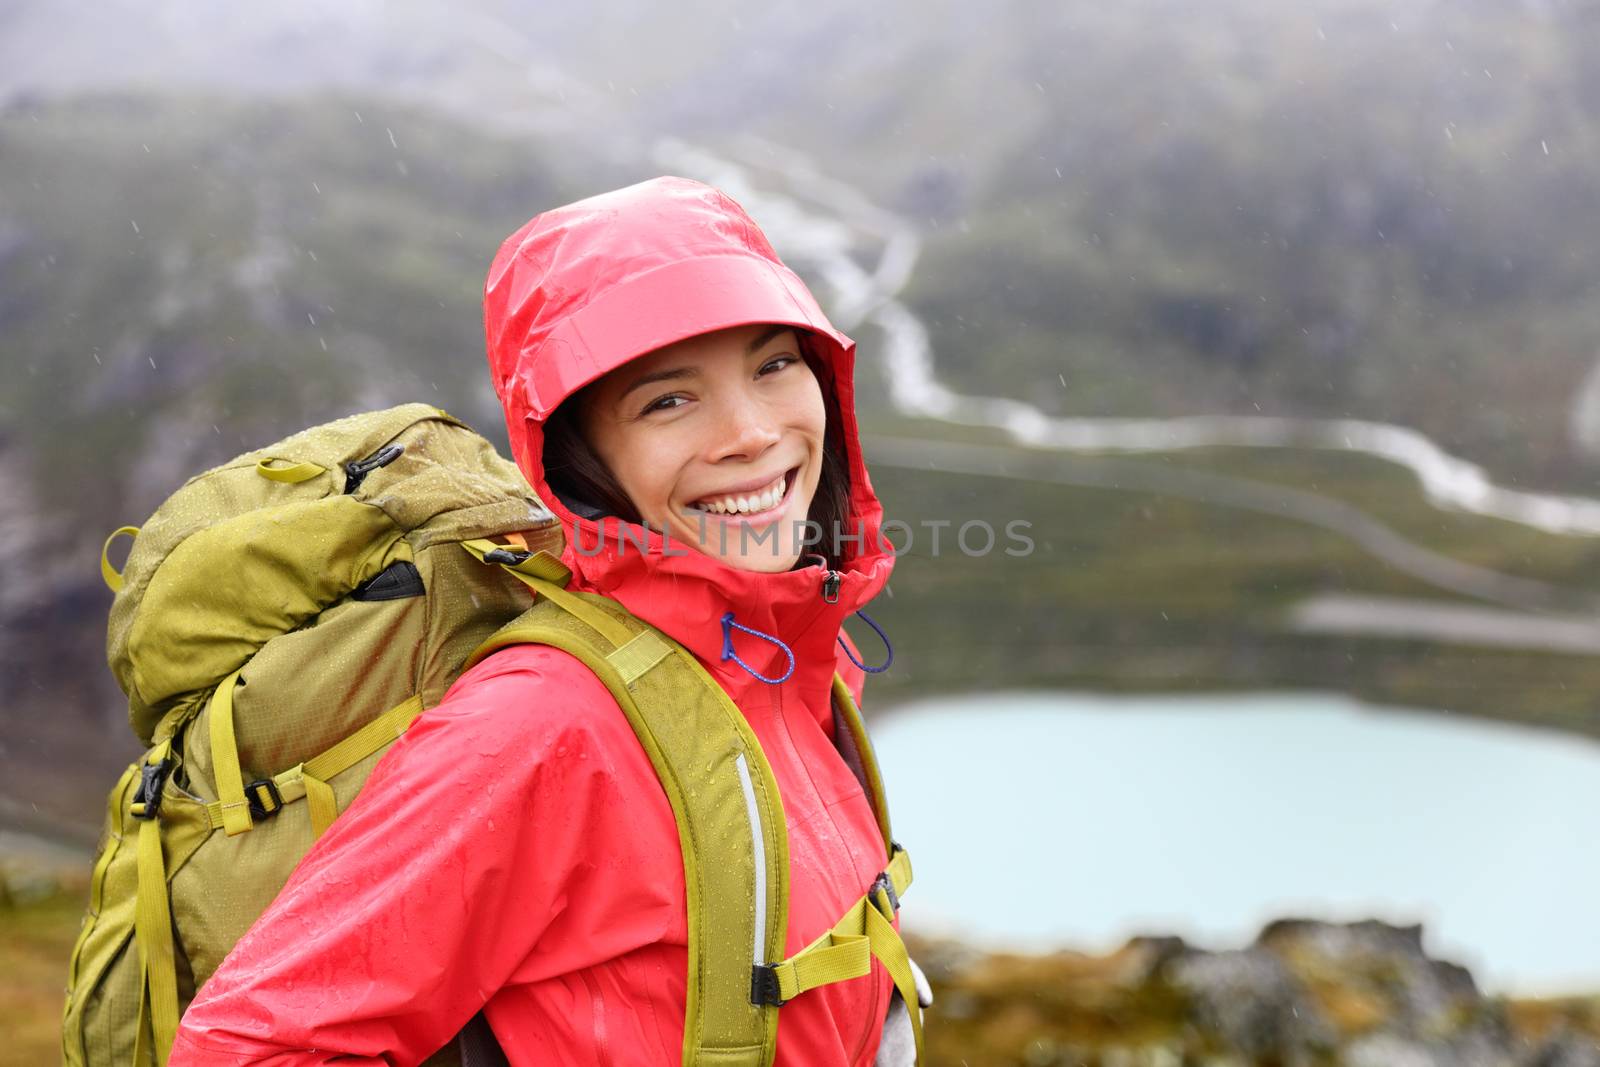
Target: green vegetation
[{"x": 36, "y": 939}]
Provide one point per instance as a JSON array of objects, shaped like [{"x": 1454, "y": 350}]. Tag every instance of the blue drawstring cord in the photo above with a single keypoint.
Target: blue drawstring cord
[
  {"x": 881, "y": 636},
  {"x": 728, "y": 626}
]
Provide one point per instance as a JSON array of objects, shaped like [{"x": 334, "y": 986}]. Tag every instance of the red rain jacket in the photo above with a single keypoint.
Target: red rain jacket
[{"x": 514, "y": 850}]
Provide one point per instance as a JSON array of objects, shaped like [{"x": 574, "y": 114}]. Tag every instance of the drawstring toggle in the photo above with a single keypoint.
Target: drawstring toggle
[{"x": 728, "y": 626}]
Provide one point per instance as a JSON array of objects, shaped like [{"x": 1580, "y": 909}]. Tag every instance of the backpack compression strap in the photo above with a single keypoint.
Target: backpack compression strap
[
  {"x": 152, "y": 925},
  {"x": 694, "y": 735},
  {"x": 158, "y": 990}
]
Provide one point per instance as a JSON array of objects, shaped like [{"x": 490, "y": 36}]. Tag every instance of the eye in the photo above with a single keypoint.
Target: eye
[
  {"x": 773, "y": 366},
  {"x": 662, "y": 403}
]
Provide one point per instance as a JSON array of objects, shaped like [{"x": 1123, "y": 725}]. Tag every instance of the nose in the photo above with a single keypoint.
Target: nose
[{"x": 745, "y": 429}]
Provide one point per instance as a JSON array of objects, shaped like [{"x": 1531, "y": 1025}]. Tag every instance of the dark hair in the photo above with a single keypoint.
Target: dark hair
[{"x": 576, "y": 474}]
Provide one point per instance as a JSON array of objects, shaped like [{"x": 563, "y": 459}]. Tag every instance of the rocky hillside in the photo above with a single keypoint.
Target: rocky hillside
[{"x": 1305, "y": 994}]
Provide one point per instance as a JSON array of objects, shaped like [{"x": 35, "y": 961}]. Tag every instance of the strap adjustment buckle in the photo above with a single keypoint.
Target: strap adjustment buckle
[
  {"x": 147, "y": 800},
  {"x": 258, "y": 793},
  {"x": 764, "y": 987},
  {"x": 506, "y": 556},
  {"x": 885, "y": 883}
]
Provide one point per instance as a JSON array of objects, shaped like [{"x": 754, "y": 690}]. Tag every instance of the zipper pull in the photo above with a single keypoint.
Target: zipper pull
[
  {"x": 356, "y": 471},
  {"x": 830, "y": 586}
]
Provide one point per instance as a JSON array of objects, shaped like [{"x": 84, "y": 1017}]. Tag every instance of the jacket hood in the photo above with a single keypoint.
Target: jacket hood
[{"x": 579, "y": 291}]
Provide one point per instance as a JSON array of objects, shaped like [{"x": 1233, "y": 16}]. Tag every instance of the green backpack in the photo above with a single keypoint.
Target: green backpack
[{"x": 283, "y": 618}]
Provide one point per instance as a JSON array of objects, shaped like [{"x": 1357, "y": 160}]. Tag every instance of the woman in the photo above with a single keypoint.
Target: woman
[{"x": 664, "y": 376}]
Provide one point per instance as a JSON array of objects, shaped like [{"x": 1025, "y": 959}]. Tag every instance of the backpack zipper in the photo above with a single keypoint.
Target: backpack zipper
[{"x": 356, "y": 471}]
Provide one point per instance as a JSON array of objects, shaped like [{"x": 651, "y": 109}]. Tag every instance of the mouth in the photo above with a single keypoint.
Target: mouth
[{"x": 765, "y": 502}]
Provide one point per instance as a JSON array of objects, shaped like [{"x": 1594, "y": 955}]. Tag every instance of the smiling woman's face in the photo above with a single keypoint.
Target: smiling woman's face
[{"x": 717, "y": 440}]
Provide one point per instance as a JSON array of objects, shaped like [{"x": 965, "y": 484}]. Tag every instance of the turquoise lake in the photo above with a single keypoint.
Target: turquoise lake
[{"x": 1044, "y": 820}]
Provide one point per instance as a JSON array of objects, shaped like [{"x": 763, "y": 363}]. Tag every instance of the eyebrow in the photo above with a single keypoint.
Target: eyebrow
[
  {"x": 674, "y": 373},
  {"x": 643, "y": 380}
]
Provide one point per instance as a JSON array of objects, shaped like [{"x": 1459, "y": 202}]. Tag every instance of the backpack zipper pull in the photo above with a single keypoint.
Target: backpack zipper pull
[{"x": 356, "y": 471}]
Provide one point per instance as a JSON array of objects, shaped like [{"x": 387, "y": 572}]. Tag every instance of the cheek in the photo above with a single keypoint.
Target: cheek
[
  {"x": 626, "y": 453},
  {"x": 645, "y": 474},
  {"x": 808, "y": 413}
]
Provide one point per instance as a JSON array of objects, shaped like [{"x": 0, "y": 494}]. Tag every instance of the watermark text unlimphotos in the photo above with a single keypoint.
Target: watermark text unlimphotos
[{"x": 971, "y": 537}]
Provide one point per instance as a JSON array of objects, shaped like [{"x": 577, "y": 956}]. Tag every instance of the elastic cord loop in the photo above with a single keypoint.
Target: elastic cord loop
[
  {"x": 728, "y": 626},
  {"x": 112, "y": 576},
  {"x": 881, "y": 636},
  {"x": 290, "y": 473}
]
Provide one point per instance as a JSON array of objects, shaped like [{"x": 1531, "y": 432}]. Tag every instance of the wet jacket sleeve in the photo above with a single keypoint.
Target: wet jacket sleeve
[{"x": 428, "y": 893}]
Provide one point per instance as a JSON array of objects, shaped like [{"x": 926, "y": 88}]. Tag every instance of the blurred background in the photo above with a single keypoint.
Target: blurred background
[{"x": 1275, "y": 322}]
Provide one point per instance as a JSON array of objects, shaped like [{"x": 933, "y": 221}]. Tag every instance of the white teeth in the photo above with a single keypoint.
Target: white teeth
[{"x": 744, "y": 505}]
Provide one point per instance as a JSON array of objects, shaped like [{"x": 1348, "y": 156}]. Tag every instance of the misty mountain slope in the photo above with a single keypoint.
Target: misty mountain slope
[
  {"x": 184, "y": 280},
  {"x": 1339, "y": 208}
]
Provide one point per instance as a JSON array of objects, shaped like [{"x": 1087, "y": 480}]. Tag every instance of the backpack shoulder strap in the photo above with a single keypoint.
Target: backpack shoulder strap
[
  {"x": 723, "y": 796},
  {"x": 855, "y": 747},
  {"x": 722, "y": 791}
]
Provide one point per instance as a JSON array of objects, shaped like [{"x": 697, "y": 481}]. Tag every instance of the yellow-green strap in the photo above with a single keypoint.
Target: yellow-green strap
[
  {"x": 141, "y": 1027},
  {"x": 891, "y": 951},
  {"x": 304, "y": 779},
  {"x": 547, "y": 576},
  {"x": 365, "y": 741},
  {"x": 112, "y": 576},
  {"x": 291, "y": 474},
  {"x": 638, "y": 655},
  {"x": 539, "y": 565},
  {"x": 842, "y": 952},
  {"x": 225, "y": 759},
  {"x": 860, "y": 755},
  {"x": 323, "y": 806},
  {"x": 836, "y": 956},
  {"x": 899, "y": 870},
  {"x": 153, "y": 929}
]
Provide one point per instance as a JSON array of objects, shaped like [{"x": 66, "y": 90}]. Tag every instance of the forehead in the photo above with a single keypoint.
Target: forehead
[{"x": 687, "y": 355}]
